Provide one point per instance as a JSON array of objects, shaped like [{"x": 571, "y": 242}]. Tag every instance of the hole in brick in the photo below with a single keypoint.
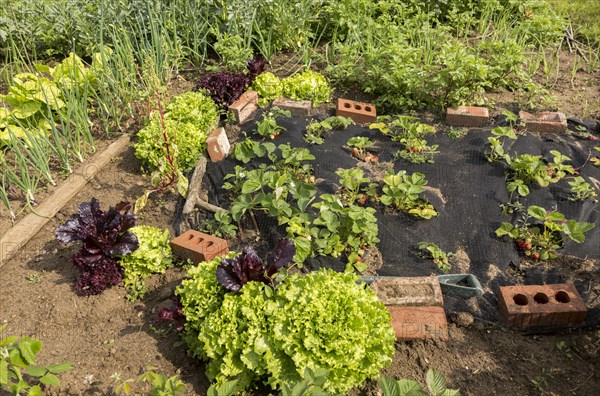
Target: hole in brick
[
  {"x": 209, "y": 243},
  {"x": 199, "y": 241},
  {"x": 190, "y": 237},
  {"x": 347, "y": 105},
  {"x": 541, "y": 298},
  {"x": 562, "y": 297},
  {"x": 368, "y": 108},
  {"x": 357, "y": 107},
  {"x": 520, "y": 299}
]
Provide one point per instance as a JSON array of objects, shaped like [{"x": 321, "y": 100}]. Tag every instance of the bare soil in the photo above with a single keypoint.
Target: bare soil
[{"x": 110, "y": 339}]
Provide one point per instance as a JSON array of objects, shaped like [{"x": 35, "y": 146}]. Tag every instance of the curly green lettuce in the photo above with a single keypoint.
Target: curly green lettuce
[
  {"x": 308, "y": 85},
  {"x": 268, "y": 86},
  {"x": 153, "y": 256},
  {"x": 321, "y": 320},
  {"x": 187, "y": 122},
  {"x": 326, "y": 320}
]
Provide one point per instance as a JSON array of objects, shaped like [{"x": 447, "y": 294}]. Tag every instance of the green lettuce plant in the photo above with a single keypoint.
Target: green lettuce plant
[
  {"x": 153, "y": 256},
  {"x": 322, "y": 320},
  {"x": 268, "y": 86},
  {"x": 186, "y": 122},
  {"x": 308, "y": 85}
]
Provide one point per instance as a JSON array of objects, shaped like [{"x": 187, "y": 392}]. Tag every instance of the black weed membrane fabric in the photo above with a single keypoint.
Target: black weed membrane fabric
[{"x": 464, "y": 188}]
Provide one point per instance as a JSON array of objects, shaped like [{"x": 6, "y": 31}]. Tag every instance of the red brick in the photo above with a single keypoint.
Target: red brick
[
  {"x": 417, "y": 323},
  {"x": 298, "y": 108},
  {"x": 198, "y": 247},
  {"x": 217, "y": 144},
  {"x": 360, "y": 112},
  {"x": 245, "y": 107},
  {"x": 417, "y": 291},
  {"x": 467, "y": 116},
  {"x": 544, "y": 122},
  {"x": 541, "y": 305}
]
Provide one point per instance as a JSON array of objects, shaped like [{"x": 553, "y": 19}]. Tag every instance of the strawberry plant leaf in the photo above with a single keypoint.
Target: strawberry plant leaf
[
  {"x": 36, "y": 371},
  {"x": 60, "y": 368},
  {"x": 3, "y": 372},
  {"x": 50, "y": 380}
]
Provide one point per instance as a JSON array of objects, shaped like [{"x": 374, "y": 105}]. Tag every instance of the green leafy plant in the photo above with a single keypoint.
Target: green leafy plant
[
  {"x": 436, "y": 386},
  {"x": 268, "y": 86},
  {"x": 457, "y": 133},
  {"x": 582, "y": 190},
  {"x": 308, "y": 85},
  {"x": 542, "y": 238},
  {"x": 359, "y": 145},
  {"x": 233, "y": 51},
  {"x": 316, "y": 129},
  {"x": 497, "y": 151},
  {"x": 402, "y": 191},
  {"x": 221, "y": 226},
  {"x": 271, "y": 334},
  {"x": 268, "y": 127},
  {"x": 430, "y": 250},
  {"x": 152, "y": 384},
  {"x": 411, "y": 134},
  {"x": 153, "y": 256},
  {"x": 183, "y": 127},
  {"x": 18, "y": 369}
]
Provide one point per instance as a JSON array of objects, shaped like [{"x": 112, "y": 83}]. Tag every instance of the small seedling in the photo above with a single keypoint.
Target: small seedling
[{"x": 429, "y": 250}]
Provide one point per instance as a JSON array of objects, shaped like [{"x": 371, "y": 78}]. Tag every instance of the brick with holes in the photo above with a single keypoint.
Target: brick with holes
[
  {"x": 360, "y": 112},
  {"x": 198, "y": 246},
  {"x": 530, "y": 306}
]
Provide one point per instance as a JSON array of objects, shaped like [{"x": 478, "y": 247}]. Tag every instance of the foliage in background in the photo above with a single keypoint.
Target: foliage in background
[
  {"x": 105, "y": 236},
  {"x": 153, "y": 256},
  {"x": 19, "y": 372},
  {"x": 585, "y": 14},
  {"x": 323, "y": 319}
]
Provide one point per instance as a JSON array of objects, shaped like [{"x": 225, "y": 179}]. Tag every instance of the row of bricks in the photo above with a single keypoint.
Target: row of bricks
[{"x": 543, "y": 122}]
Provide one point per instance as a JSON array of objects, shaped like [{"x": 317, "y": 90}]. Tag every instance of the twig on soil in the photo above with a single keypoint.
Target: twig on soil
[{"x": 193, "y": 199}]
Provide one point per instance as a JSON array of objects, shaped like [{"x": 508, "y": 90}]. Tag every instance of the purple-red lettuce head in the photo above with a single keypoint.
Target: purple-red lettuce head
[
  {"x": 105, "y": 236},
  {"x": 234, "y": 273}
]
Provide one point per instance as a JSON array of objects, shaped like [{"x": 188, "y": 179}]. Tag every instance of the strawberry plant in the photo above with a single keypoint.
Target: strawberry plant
[
  {"x": 411, "y": 134},
  {"x": 582, "y": 190},
  {"x": 527, "y": 169},
  {"x": 268, "y": 127},
  {"x": 540, "y": 233},
  {"x": 429, "y": 250},
  {"x": 351, "y": 181},
  {"x": 316, "y": 129},
  {"x": 402, "y": 191},
  {"x": 359, "y": 145},
  {"x": 496, "y": 151}
]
